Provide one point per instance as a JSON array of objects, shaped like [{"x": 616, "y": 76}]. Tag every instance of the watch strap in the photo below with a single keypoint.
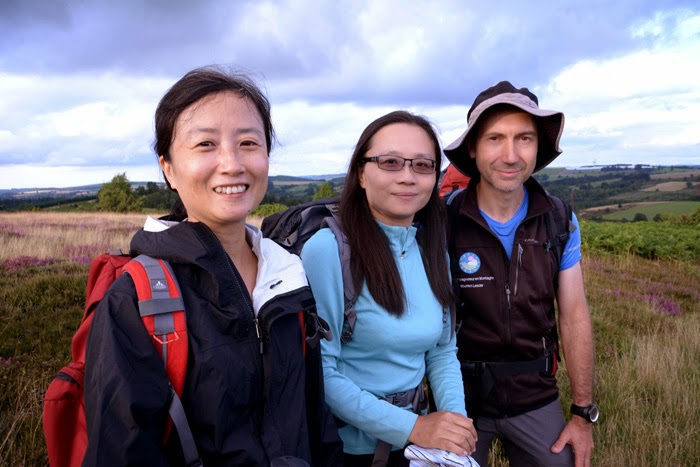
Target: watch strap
[{"x": 589, "y": 413}]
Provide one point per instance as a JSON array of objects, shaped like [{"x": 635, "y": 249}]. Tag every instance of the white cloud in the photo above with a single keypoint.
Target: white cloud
[
  {"x": 318, "y": 138},
  {"x": 110, "y": 120},
  {"x": 646, "y": 99},
  {"x": 78, "y": 120},
  {"x": 84, "y": 91},
  {"x": 41, "y": 176}
]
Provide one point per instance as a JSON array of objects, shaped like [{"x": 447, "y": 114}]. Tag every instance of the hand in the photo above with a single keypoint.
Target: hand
[
  {"x": 579, "y": 434},
  {"x": 445, "y": 430}
]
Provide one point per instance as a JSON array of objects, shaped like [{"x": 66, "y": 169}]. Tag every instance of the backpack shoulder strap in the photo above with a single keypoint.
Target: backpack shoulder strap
[
  {"x": 452, "y": 208},
  {"x": 559, "y": 227},
  {"x": 163, "y": 314},
  {"x": 349, "y": 293},
  {"x": 452, "y": 196}
]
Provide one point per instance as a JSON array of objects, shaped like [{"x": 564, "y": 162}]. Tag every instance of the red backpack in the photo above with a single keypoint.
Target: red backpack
[
  {"x": 162, "y": 311},
  {"x": 452, "y": 180}
]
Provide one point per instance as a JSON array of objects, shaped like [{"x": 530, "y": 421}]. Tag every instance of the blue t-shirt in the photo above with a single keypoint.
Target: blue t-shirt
[{"x": 505, "y": 231}]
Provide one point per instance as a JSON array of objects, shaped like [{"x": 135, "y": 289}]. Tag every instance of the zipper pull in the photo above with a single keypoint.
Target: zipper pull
[
  {"x": 257, "y": 333},
  {"x": 518, "y": 268},
  {"x": 520, "y": 256},
  {"x": 508, "y": 295}
]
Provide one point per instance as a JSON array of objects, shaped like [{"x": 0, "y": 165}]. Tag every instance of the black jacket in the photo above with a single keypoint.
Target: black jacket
[
  {"x": 506, "y": 306},
  {"x": 247, "y": 400}
]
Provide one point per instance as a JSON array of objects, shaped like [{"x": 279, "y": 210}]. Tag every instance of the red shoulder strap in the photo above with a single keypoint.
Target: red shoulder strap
[{"x": 163, "y": 314}]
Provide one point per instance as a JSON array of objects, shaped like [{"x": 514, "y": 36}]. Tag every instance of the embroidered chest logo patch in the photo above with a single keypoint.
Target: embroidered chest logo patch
[{"x": 469, "y": 262}]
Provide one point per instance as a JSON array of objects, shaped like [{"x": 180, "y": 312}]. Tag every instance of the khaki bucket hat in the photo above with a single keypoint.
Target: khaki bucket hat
[{"x": 550, "y": 123}]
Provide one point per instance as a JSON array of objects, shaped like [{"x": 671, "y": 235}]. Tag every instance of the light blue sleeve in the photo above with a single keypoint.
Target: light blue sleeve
[
  {"x": 348, "y": 402},
  {"x": 572, "y": 252},
  {"x": 444, "y": 375}
]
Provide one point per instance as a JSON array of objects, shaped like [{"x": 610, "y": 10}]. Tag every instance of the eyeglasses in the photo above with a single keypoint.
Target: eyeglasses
[{"x": 396, "y": 163}]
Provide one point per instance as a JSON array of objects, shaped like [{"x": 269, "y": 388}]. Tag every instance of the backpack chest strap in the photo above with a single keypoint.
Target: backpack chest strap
[{"x": 417, "y": 399}]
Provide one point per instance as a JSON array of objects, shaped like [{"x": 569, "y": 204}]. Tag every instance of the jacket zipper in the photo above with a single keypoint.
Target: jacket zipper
[
  {"x": 518, "y": 268},
  {"x": 257, "y": 334},
  {"x": 247, "y": 300},
  {"x": 249, "y": 303},
  {"x": 244, "y": 291},
  {"x": 509, "y": 337}
]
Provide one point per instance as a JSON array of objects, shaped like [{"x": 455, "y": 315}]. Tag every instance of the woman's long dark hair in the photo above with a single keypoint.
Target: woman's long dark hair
[{"x": 371, "y": 260}]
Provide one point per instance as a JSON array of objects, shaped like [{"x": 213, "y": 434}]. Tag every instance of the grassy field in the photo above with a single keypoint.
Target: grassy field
[
  {"x": 670, "y": 186},
  {"x": 676, "y": 174},
  {"x": 73, "y": 236},
  {"x": 650, "y": 210},
  {"x": 646, "y": 316}
]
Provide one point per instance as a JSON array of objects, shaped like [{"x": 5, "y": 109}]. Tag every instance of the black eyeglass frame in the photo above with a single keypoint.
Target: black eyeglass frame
[{"x": 376, "y": 159}]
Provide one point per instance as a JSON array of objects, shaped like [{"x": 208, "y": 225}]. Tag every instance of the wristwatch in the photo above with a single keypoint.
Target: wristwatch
[{"x": 589, "y": 413}]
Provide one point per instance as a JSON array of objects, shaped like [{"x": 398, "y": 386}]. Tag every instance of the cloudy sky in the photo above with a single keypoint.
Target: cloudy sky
[{"x": 80, "y": 79}]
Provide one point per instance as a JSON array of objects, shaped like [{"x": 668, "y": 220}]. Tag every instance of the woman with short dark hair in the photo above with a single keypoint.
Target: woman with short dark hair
[{"x": 253, "y": 393}]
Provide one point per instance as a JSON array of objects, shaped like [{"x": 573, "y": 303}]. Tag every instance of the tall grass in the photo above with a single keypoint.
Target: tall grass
[
  {"x": 646, "y": 318},
  {"x": 66, "y": 235},
  {"x": 74, "y": 236}
]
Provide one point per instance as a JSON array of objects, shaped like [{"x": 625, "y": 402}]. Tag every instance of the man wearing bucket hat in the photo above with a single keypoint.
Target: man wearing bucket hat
[{"x": 509, "y": 269}]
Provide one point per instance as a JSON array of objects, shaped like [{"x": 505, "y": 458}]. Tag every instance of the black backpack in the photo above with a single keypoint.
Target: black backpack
[{"x": 291, "y": 229}]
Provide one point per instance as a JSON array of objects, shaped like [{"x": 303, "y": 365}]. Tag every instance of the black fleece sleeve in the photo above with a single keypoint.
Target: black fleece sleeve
[{"x": 126, "y": 388}]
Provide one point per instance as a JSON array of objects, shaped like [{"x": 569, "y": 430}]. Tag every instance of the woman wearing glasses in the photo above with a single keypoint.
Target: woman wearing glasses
[{"x": 392, "y": 218}]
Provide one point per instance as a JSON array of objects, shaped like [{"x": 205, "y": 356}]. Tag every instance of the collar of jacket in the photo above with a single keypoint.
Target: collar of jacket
[
  {"x": 195, "y": 245},
  {"x": 400, "y": 238},
  {"x": 539, "y": 201}
]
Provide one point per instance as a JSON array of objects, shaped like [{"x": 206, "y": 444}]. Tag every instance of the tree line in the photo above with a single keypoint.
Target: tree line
[{"x": 118, "y": 195}]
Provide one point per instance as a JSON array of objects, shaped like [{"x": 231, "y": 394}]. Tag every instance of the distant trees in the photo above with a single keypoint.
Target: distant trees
[
  {"x": 157, "y": 197},
  {"x": 324, "y": 191},
  {"x": 265, "y": 210},
  {"x": 594, "y": 188},
  {"x": 117, "y": 196}
]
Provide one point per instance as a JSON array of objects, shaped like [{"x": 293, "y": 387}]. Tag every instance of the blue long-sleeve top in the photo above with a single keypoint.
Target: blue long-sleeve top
[{"x": 386, "y": 355}]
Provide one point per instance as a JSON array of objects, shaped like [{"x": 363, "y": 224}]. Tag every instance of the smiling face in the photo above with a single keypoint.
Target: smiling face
[
  {"x": 395, "y": 197},
  {"x": 218, "y": 159},
  {"x": 505, "y": 149}
]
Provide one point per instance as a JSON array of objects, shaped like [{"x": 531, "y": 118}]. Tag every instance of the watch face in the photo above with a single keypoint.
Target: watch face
[{"x": 593, "y": 413}]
